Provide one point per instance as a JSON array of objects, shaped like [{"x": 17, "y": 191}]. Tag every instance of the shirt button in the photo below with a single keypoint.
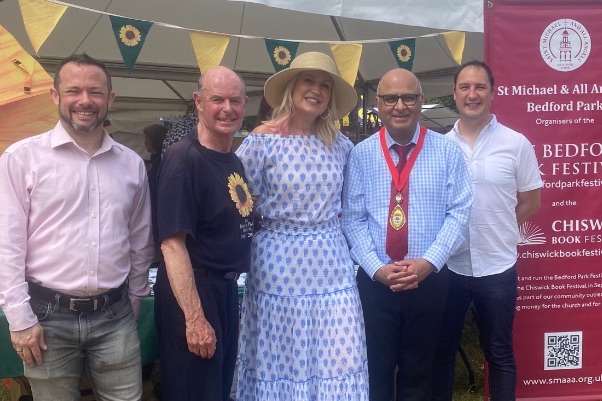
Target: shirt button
[
  {"x": 94, "y": 244},
  {"x": 94, "y": 215},
  {"x": 93, "y": 187}
]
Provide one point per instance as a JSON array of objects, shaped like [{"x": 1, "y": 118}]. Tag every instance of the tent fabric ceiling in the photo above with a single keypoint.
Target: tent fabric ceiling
[
  {"x": 166, "y": 70},
  {"x": 22, "y": 112},
  {"x": 461, "y": 15}
]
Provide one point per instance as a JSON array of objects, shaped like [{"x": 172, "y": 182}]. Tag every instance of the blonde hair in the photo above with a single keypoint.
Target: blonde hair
[{"x": 326, "y": 128}]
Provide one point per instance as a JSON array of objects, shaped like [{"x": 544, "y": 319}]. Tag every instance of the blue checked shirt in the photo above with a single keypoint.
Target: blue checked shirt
[{"x": 439, "y": 205}]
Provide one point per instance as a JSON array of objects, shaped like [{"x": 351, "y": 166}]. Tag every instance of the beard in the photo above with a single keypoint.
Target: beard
[{"x": 81, "y": 127}]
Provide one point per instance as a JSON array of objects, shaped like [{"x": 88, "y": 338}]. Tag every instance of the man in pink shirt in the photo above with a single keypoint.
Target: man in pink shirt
[{"x": 75, "y": 245}]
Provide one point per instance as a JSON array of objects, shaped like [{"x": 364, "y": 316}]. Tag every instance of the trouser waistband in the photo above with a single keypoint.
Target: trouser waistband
[
  {"x": 212, "y": 273},
  {"x": 76, "y": 303}
]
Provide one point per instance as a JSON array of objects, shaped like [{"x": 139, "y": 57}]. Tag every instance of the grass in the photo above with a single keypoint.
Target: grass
[
  {"x": 463, "y": 392},
  {"x": 470, "y": 343}
]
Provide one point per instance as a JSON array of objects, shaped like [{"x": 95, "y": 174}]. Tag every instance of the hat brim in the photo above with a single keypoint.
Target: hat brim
[{"x": 344, "y": 94}]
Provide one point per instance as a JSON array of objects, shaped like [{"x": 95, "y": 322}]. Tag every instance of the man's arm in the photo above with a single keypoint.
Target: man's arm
[
  {"x": 458, "y": 195},
  {"x": 26, "y": 334},
  {"x": 528, "y": 181},
  {"x": 199, "y": 333},
  {"x": 354, "y": 222},
  {"x": 528, "y": 204},
  {"x": 141, "y": 243}
]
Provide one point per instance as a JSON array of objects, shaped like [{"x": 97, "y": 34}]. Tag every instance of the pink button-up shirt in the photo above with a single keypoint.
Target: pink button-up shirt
[{"x": 70, "y": 222}]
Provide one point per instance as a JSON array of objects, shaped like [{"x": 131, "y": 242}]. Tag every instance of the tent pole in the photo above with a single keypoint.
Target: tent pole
[{"x": 365, "y": 113}]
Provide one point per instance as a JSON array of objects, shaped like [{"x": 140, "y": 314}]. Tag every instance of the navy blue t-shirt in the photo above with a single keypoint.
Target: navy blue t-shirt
[{"x": 204, "y": 193}]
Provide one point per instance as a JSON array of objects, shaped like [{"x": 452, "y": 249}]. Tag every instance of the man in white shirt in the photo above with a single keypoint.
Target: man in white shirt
[
  {"x": 506, "y": 191},
  {"x": 75, "y": 245}
]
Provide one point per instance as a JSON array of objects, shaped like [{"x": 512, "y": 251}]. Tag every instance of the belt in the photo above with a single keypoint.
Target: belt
[
  {"x": 77, "y": 304},
  {"x": 212, "y": 273}
]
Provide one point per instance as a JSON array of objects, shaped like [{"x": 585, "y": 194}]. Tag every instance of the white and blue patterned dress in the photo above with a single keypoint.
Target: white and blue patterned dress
[{"x": 302, "y": 330}]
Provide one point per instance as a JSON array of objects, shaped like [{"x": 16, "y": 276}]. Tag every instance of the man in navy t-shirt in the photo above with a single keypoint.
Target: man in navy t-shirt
[{"x": 205, "y": 227}]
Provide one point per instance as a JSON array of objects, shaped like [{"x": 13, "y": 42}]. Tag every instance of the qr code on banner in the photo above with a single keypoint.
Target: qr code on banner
[{"x": 563, "y": 350}]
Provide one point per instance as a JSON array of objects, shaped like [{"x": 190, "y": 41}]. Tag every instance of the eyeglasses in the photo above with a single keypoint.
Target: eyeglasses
[{"x": 408, "y": 99}]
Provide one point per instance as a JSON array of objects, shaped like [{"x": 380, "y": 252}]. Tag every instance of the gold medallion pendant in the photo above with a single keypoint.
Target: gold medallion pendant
[{"x": 397, "y": 218}]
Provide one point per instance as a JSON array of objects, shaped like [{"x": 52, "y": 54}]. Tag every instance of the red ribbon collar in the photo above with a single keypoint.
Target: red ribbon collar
[{"x": 400, "y": 179}]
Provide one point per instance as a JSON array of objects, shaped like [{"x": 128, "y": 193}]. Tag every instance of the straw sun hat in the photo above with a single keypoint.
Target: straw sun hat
[{"x": 344, "y": 94}]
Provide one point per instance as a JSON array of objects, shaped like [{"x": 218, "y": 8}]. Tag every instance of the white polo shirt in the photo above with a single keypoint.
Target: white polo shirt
[{"x": 501, "y": 164}]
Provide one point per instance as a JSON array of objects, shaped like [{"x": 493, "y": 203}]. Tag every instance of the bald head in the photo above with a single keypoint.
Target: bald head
[
  {"x": 399, "y": 97},
  {"x": 222, "y": 74},
  {"x": 220, "y": 102},
  {"x": 397, "y": 75}
]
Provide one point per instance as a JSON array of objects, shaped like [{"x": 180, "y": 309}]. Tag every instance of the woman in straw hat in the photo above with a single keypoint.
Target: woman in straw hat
[{"x": 302, "y": 331}]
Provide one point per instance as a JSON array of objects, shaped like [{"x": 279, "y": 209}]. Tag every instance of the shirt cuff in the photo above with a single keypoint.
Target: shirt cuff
[
  {"x": 371, "y": 264},
  {"x": 136, "y": 304},
  {"x": 436, "y": 257},
  {"x": 20, "y": 317}
]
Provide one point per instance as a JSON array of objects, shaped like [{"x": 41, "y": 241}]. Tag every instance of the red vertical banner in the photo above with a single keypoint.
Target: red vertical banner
[{"x": 547, "y": 61}]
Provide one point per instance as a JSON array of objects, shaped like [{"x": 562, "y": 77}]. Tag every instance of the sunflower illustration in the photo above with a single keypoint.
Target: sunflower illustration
[
  {"x": 129, "y": 35},
  {"x": 240, "y": 194},
  {"x": 282, "y": 55},
  {"x": 404, "y": 53}
]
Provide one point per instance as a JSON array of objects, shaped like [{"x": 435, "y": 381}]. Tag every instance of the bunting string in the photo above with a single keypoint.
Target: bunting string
[
  {"x": 163, "y": 24},
  {"x": 209, "y": 46}
]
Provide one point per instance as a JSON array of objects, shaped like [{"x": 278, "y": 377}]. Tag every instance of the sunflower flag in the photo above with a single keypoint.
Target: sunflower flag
[
  {"x": 404, "y": 52},
  {"x": 130, "y": 35},
  {"x": 281, "y": 52}
]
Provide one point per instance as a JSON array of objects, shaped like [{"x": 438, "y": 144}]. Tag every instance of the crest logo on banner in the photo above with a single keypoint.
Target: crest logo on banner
[{"x": 565, "y": 45}]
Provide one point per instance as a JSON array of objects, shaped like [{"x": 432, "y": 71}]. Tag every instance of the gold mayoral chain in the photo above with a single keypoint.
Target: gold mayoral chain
[{"x": 397, "y": 219}]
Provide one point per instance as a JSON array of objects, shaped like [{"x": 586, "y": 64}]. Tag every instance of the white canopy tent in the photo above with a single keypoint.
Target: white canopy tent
[
  {"x": 166, "y": 72},
  {"x": 462, "y": 15}
]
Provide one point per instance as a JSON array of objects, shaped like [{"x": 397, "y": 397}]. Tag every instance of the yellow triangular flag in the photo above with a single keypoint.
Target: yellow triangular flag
[
  {"x": 40, "y": 19},
  {"x": 209, "y": 49},
  {"x": 455, "y": 42},
  {"x": 347, "y": 58}
]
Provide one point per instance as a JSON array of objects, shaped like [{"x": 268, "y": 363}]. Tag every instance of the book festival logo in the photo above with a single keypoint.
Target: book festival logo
[{"x": 565, "y": 45}]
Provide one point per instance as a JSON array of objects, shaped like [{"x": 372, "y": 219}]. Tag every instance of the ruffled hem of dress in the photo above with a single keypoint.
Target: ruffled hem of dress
[{"x": 352, "y": 387}]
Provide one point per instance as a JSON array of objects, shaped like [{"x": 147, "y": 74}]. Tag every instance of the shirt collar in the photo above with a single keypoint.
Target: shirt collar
[
  {"x": 60, "y": 137},
  {"x": 390, "y": 141},
  {"x": 108, "y": 143}
]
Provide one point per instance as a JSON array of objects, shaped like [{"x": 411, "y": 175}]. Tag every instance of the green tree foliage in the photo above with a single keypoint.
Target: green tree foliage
[{"x": 447, "y": 101}]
